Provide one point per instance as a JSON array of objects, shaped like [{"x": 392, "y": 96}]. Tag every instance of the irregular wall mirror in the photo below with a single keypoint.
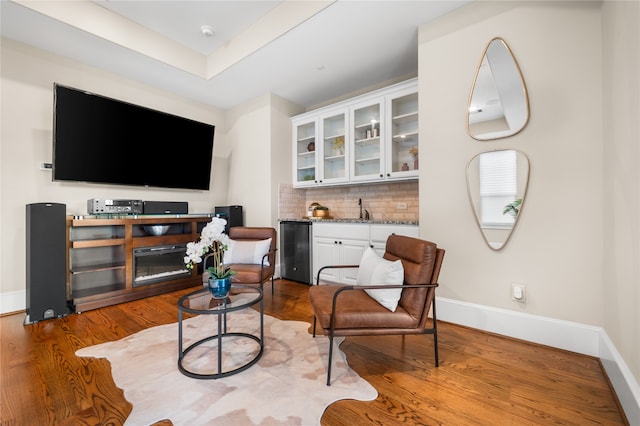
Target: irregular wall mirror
[
  {"x": 497, "y": 184},
  {"x": 498, "y": 104}
]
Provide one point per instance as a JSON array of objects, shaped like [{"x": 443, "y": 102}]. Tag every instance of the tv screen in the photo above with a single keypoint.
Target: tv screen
[{"x": 102, "y": 140}]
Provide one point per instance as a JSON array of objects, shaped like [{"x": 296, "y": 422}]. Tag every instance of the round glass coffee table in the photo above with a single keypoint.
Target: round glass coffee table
[{"x": 201, "y": 302}]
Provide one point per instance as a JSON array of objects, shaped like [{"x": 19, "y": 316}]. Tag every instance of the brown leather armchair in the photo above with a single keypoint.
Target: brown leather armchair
[
  {"x": 251, "y": 273},
  {"x": 347, "y": 310}
]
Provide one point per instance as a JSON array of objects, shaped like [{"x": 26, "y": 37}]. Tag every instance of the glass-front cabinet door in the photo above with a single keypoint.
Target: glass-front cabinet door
[
  {"x": 367, "y": 155},
  {"x": 402, "y": 140},
  {"x": 334, "y": 152},
  {"x": 304, "y": 136}
]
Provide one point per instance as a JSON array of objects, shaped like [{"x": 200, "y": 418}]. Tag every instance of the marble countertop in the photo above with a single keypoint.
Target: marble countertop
[{"x": 347, "y": 220}]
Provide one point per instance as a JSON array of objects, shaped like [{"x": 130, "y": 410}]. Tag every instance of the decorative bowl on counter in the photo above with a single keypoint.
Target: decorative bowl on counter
[
  {"x": 321, "y": 212},
  {"x": 156, "y": 229}
]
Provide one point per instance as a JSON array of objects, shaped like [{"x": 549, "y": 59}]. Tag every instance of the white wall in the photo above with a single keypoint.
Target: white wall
[
  {"x": 258, "y": 151},
  {"x": 555, "y": 249},
  {"x": 569, "y": 248},
  {"x": 249, "y": 162},
  {"x": 621, "y": 105},
  {"x": 281, "y": 168},
  {"x": 27, "y": 79},
  {"x": 249, "y": 159}
]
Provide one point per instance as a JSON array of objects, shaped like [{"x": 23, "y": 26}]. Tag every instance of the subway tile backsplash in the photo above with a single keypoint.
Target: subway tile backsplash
[{"x": 383, "y": 200}]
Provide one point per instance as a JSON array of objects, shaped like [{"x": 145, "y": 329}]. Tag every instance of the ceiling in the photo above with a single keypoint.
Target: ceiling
[{"x": 305, "y": 51}]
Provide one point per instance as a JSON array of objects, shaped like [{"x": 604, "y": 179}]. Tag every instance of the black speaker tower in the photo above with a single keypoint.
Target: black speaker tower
[
  {"x": 233, "y": 215},
  {"x": 46, "y": 262}
]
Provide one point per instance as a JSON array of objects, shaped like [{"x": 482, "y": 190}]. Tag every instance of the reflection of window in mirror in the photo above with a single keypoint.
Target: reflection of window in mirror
[
  {"x": 498, "y": 104},
  {"x": 497, "y": 183},
  {"x": 498, "y": 188}
]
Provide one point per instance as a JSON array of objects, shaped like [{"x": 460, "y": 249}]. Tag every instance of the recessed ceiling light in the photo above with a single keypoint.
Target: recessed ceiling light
[{"x": 207, "y": 31}]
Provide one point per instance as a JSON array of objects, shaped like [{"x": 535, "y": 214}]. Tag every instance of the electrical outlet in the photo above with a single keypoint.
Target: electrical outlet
[
  {"x": 401, "y": 206},
  {"x": 518, "y": 292}
]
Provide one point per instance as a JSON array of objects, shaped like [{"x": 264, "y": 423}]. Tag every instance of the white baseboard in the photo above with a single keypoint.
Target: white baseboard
[
  {"x": 627, "y": 389},
  {"x": 570, "y": 336},
  {"x": 561, "y": 334},
  {"x": 12, "y": 301}
]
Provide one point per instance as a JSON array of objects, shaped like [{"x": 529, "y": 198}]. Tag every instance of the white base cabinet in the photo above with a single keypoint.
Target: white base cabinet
[
  {"x": 380, "y": 232},
  {"x": 344, "y": 244},
  {"x": 338, "y": 244}
]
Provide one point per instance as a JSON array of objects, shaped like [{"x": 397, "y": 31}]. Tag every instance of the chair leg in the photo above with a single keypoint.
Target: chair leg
[
  {"x": 435, "y": 345},
  {"x": 272, "y": 286},
  {"x": 330, "y": 351},
  {"x": 330, "y": 357},
  {"x": 435, "y": 331}
]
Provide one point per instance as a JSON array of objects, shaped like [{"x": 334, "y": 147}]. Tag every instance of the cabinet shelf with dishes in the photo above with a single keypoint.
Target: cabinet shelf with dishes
[
  {"x": 304, "y": 135},
  {"x": 320, "y": 151},
  {"x": 333, "y": 126},
  {"x": 404, "y": 133},
  {"x": 363, "y": 139},
  {"x": 367, "y": 140},
  {"x": 101, "y": 259}
]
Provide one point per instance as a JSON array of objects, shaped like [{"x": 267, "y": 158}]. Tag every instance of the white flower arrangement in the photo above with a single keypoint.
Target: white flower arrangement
[{"x": 212, "y": 240}]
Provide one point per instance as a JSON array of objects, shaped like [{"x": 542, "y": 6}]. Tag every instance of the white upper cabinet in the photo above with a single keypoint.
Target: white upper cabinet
[
  {"x": 304, "y": 152},
  {"x": 333, "y": 153},
  {"x": 370, "y": 138},
  {"x": 402, "y": 146},
  {"x": 320, "y": 148},
  {"x": 367, "y": 145}
]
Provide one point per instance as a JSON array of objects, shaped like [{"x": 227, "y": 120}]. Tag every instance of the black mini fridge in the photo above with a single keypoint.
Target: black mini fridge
[{"x": 295, "y": 250}]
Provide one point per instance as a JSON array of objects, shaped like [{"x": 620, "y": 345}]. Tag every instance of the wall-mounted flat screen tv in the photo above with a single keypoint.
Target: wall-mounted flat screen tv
[{"x": 97, "y": 139}]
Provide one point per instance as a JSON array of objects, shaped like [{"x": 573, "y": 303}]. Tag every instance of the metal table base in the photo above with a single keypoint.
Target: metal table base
[{"x": 221, "y": 310}]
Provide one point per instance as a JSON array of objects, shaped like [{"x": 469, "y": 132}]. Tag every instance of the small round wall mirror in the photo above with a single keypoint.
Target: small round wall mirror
[
  {"x": 498, "y": 104},
  {"x": 497, "y": 183}
]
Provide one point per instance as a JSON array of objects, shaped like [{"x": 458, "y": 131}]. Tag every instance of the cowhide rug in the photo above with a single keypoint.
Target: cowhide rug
[{"x": 287, "y": 386}]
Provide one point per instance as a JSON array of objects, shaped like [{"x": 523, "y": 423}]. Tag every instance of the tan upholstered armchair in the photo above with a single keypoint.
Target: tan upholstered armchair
[
  {"x": 348, "y": 310},
  {"x": 254, "y": 264}
]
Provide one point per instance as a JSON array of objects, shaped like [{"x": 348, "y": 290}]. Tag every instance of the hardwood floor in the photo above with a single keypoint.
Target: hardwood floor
[{"x": 483, "y": 379}]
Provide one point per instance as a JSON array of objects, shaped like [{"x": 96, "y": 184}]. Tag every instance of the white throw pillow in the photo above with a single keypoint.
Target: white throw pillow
[
  {"x": 247, "y": 251},
  {"x": 375, "y": 270}
]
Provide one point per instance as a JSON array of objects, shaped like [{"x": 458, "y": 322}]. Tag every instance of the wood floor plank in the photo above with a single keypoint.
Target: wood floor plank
[{"x": 483, "y": 379}]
